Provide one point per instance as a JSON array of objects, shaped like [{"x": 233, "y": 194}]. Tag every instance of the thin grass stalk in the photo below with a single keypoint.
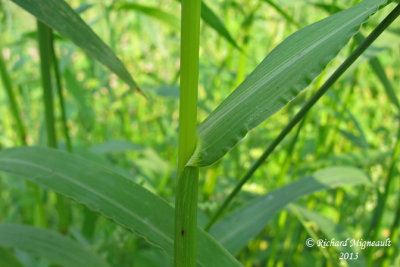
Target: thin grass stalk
[
  {"x": 382, "y": 200},
  {"x": 60, "y": 95},
  {"x": 310, "y": 103},
  {"x": 12, "y": 99},
  {"x": 44, "y": 38},
  {"x": 187, "y": 183}
]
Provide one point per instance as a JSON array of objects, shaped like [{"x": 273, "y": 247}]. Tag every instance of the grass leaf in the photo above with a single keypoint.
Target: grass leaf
[
  {"x": 277, "y": 80},
  {"x": 154, "y": 12},
  {"x": 111, "y": 194},
  {"x": 58, "y": 15},
  {"x": 236, "y": 229},
  {"x": 54, "y": 247},
  {"x": 209, "y": 17}
]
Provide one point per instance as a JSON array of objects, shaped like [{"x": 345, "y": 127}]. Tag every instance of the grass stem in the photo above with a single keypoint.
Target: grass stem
[
  {"x": 60, "y": 94},
  {"x": 44, "y": 37},
  {"x": 12, "y": 99},
  {"x": 45, "y": 51},
  {"x": 187, "y": 184}
]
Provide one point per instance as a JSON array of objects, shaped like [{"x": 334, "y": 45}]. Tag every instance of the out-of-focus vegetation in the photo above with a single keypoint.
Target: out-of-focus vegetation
[{"x": 339, "y": 167}]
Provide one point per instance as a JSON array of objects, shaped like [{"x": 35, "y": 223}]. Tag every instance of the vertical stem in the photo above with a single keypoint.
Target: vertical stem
[
  {"x": 44, "y": 35},
  {"x": 60, "y": 94},
  {"x": 187, "y": 184},
  {"x": 11, "y": 97},
  {"x": 45, "y": 47}
]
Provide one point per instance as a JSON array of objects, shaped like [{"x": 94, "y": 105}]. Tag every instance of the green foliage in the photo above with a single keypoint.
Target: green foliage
[
  {"x": 153, "y": 12},
  {"x": 276, "y": 81},
  {"x": 123, "y": 160},
  {"x": 62, "y": 18},
  {"x": 236, "y": 229},
  {"x": 114, "y": 196}
]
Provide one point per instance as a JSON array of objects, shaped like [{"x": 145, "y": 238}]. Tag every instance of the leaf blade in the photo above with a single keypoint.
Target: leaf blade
[
  {"x": 208, "y": 15},
  {"x": 276, "y": 81},
  {"x": 154, "y": 12},
  {"x": 237, "y": 228},
  {"x": 59, "y": 16},
  {"x": 110, "y": 194}
]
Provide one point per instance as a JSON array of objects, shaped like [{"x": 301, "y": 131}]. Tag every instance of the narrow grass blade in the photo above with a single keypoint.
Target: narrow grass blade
[
  {"x": 236, "y": 229},
  {"x": 154, "y": 12},
  {"x": 109, "y": 193},
  {"x": 282, "y": 12},
  {"x": 54, "y": 247},
  {"x": 331, "y": 230},
  {"x": 58, "y": 15},
  {"x": 387, "y": 85},
  {"x": 60, "y": 94},
  {"x": 209, "y": 17},
  {"x": 277, "y": 80}
]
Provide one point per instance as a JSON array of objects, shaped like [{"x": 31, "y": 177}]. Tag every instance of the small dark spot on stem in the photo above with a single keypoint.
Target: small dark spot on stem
[{"x": 182, "y": 232}]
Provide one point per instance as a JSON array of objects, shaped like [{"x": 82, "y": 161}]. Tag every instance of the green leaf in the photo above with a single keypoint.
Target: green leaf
[
  {"x": 115, "y": 146},
  {"x": 387, "y": 85},
  {"x": 58, "y": 15},
  {"x": 214, "y": 22},
  {"x": 54, "y": 247},
  {"x": 331, "y": 230},
  {"x": 111, "y": 194},
  {"x": 209, "y": 17},
  {"x": 236, "y": 229},
  {"x": 154, "y": 12},
  {"x": 282, "y": 12},
  {"x": 276, "y": 81}
]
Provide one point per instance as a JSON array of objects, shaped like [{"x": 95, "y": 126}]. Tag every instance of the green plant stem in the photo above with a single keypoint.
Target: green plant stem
[
  {"x": 44, "y": 35},
  {"x": 60, "y": 95},
  {"x": 297, "y": 118},
  {"x": 187, "y": 183},
  {"x": 12, "y": 99},
  {"x": 45, "y": 39}
]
